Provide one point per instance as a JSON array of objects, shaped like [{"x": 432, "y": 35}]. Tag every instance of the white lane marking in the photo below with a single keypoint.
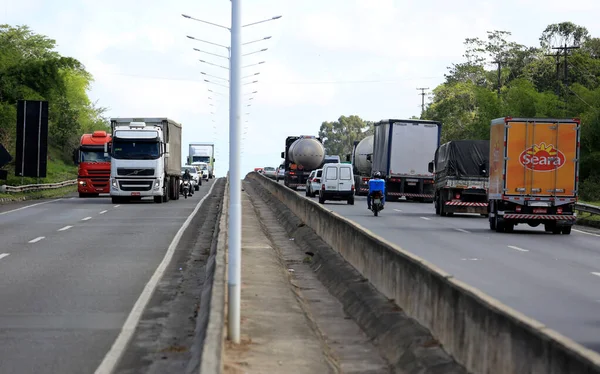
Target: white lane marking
[
  {"x": 116, "y": 206},
  {"x": 86, "y": 218},
  {"x": 585, "y": 232},
  {"x": 595, "y": 273},
  {"x": 2, "y": 255},
  {"x": 425, "y": 218},
  {"x": 113, "y": 356},
  {"x": 470, "y": 259},
  {"x": 64, "y": 228},
  {"x": 29, "y": 206},
  {"x": 518, "y": 249},
  {"x": 463, "y": 230},
  {"x": 398, "y": 210},
  {"x": 36, "y": 239},
  {"x": 102, "y": 212}
]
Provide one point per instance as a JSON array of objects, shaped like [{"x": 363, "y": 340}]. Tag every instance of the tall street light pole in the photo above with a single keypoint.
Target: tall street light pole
[
  {"x": 234, "y": 278},
  {"x": 235, "y": 179}
]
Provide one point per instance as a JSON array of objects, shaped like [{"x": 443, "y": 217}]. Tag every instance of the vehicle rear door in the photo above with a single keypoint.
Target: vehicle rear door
[
  {"x": 330, "y": 178},
  {"x": 345, "y": 178}
]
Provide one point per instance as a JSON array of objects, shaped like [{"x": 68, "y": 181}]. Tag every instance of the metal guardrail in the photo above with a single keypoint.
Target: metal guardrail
[
  {"x": 36, "y": 187},
  {"x": 587, "y": 208}
]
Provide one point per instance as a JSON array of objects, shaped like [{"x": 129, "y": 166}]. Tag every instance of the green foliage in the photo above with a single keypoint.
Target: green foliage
[
  {"x": 339, "y": 136},
  {"x": 528, "y": 87},
  {"x": 30, "y": 69}
]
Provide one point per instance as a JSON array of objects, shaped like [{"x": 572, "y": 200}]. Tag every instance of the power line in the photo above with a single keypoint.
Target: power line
[
  {"x": 566, "y": 50},
  {"x": 422, "y": 89}
]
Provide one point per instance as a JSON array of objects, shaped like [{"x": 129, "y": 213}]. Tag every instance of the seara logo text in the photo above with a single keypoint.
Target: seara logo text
[{"x": 542, "y": 157}]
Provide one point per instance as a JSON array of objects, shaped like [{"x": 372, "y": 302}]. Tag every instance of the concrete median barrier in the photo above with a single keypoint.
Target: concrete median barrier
[{"x": 481, "y": 333}]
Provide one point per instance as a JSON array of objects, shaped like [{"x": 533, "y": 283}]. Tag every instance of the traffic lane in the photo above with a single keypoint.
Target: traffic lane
[
  {"x": 558, "y": 293},
  {"x": 34, "y": 221},
  {"x": 581, "y": 248},
  {"x": 63, "y": 300}
]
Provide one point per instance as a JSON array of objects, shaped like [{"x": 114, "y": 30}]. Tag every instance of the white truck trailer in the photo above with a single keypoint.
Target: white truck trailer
[{"x": 402, "y": 149}]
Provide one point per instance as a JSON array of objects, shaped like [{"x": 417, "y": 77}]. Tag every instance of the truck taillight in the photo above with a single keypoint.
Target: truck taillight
[
  {"x": 559, "y": 210},
  {"x": 365, "y": 179},
  {"x": 518, "y": 209},
  {"x": 457, "y": 196},
  {"x": 352, "y": 187}
]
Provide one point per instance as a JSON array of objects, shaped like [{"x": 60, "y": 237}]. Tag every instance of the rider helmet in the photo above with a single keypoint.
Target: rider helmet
[{"x": 377, "y": 175}]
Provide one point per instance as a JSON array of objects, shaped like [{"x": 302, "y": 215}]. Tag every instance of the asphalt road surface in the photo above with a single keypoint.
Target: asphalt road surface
[
  {"x": 71, "y": 271},
  {"x": 554, "y": 279}
]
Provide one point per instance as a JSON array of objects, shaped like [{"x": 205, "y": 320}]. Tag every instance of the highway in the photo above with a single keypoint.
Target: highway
[
  {"x": 554, "y": 279},
  {"x": 71, "y": 271}
]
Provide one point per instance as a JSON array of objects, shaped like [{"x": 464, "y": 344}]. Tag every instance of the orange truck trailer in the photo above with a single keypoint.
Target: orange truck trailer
[
  {"x": 94, "y": 165},
  {"x": 534, "y": 173}
]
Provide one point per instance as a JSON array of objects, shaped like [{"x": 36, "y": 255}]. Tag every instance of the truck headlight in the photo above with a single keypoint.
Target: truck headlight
[
  {"x": 157, "y": 184},
  {"x": 83, "y": 183},
  {"x": 113, "y": 182}
]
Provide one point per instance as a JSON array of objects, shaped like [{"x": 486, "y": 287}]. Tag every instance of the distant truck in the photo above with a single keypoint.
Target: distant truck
[
  {"x": 534, "y": 173},
  {"x": 360, "y": 159},
  {"x": 460, "y": 170},
  {"x": 93, "y": 177},
  {"x": 302, "y": 155},
  {"x": 402, "y": 149},
  {"x": 145, "y": 159},
  {"x": 203, "y": 152}
]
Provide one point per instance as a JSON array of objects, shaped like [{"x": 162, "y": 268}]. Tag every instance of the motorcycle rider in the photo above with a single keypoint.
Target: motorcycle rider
[
  {"x": 187, "y": 177},
  {"x": 376, "y": 184}
]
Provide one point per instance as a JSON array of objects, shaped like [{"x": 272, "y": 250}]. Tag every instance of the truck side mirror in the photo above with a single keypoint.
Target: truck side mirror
[
  {"x": 282, "y": 154},
  {"x": 213, "y": 159},
  {"x": 166, "y": 149},
  {"x": 76, "y": 156},
  {"x": 105, "y": 149},
  {"x": 430, "y": 167}
]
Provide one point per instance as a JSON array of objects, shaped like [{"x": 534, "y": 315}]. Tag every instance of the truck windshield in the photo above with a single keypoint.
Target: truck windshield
[
  {"x": 93, "y": 156},
  {"x": 135, "y": 149},
  {"x": 201, "y": 159}
]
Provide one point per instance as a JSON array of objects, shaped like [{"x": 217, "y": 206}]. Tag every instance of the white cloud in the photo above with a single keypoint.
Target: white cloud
[{"x": 281, "y": 86}]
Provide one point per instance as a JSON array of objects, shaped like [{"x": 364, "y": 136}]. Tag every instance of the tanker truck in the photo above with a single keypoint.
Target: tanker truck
[
  {"x": 302, "y": 155},
  {"x": 361, "y": 164}
]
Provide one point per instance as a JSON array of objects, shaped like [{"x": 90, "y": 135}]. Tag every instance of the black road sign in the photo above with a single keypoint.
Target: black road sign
[{"x": 32, "y": 139}]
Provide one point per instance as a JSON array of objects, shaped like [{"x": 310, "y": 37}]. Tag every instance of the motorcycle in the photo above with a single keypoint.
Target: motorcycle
[
  {"x": 185, "y": 188},
  {"x": 376, "y": 203}
]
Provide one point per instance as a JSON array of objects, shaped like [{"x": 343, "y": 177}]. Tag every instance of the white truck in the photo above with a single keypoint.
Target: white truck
[
  {"x": 402, "y": 149},
  {"x": 145, "y": 159},
  {"x": 203, "y": 152}
]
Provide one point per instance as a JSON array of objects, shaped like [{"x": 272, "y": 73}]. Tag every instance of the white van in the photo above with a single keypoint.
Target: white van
[{"x": 337, "y": 183}]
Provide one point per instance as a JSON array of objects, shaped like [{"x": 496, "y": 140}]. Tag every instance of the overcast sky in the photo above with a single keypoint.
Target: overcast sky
[{"x": 325, "y": 58}]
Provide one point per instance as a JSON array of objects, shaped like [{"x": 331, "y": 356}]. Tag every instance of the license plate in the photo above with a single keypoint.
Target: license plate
[
  {"x": 540, "y": 210},
  {"x": 412, "y": 180},
  {"x": 135, "y": 194},
  {"x": 412, "y": 184},
  {"x": 377, "y": 201}
]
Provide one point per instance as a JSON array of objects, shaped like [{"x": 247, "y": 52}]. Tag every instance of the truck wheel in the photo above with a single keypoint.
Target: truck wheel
[
  {"x": 499, "y": 224},
  {"x": 509, "y": 227},
  {"x": 492, "y": 223},
  {"x": 158, "y": 199},
  {"x": 566, "y": 230},
  {"x": 436, "y": 202}
]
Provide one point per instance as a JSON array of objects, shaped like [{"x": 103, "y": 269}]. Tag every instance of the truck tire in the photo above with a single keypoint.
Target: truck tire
[
  {"x": 499, "y": 223},
  {"x": 436, "y": 202},
  {"x": 492, "y": 221}
]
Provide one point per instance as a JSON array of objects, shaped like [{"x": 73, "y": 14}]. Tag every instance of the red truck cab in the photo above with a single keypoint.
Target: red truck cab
[{"x": 94, "y": 166}]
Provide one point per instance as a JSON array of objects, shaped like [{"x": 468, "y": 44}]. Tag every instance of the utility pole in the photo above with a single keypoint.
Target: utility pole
[
  {"x": 557, "y": 55},
  {"x": 422, "y": 89},
  {"x": 499, "y": 62},
  {"x": 566, "y": 50}
]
